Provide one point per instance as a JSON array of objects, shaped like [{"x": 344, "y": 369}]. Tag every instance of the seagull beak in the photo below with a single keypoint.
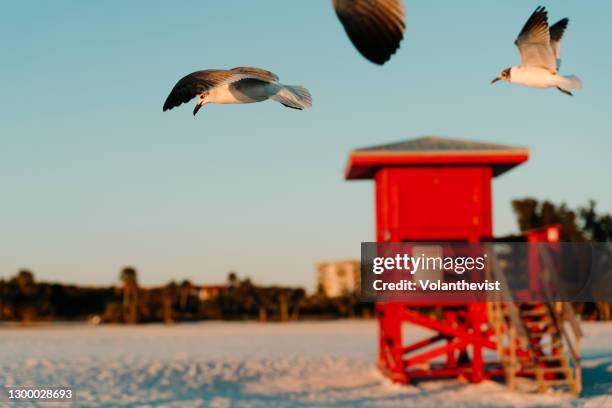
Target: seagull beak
[
  {"x": 495, "y": 80},
  {"x": 197, "y": 108}
]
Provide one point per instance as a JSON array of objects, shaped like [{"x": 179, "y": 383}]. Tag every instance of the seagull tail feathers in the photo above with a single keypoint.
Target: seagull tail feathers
[
  {"x": 293, "y": 96},
  {"x": 571, "y": 82}
]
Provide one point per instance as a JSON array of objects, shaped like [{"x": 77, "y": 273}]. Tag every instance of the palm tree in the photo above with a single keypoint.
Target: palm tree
[
  {"x": 25, "y": 281},
  {"x": 262, "y": 300},
  {"x": 168, "y": 299},
  {"x": 297, "y": 298},
  {"x": 185, "y": 292},
  {"x": 26, "y": 295},
  {"x": 283, "y": 305},
  {"x": 232, "y": 279},
  {"x": 129, "y": 279}
]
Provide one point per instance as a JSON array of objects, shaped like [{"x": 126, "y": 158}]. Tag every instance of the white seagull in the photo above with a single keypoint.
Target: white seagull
[
  {"x": 540, "y": 48},
  {"x": 375, "y": 27},
  {"x": 236, "y": 85}
]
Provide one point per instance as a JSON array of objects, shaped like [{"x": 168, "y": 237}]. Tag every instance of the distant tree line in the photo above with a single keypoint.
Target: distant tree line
[{"x": 25, "y": 300}]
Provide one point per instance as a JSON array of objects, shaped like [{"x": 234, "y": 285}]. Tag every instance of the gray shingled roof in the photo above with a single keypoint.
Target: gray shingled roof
[{"x": 433, "y": 143}]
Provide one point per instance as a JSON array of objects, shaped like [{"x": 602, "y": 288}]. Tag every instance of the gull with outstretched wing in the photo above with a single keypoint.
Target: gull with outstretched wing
[
  {"x": 540, "y": 48},
  {"x": 236, "y": 86}
]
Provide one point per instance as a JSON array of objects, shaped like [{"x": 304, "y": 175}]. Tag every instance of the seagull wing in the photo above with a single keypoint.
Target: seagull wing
[
  {"x": 556, "y": 35},
  {"x": 375, "y": 27},
  {"x": 534, "y": 42},
  {"x": 197, "y": 82},
  {"x": 256, "y": 73}
]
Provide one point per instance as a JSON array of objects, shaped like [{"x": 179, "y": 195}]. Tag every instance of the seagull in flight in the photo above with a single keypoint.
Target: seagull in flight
[
  {"x": 375, "y": 27},
  {"x": 236, "y": 85},
  {"x": 540, "y": 48}
]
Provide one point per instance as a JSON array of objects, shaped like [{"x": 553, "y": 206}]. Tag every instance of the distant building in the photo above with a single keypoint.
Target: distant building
[
  {"x": 339, "y": 278},
  {"x": 207, "y": 292}
]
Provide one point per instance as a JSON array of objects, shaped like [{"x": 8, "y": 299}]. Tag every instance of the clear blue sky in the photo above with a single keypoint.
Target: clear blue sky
[{"x": 94, "y": 176}]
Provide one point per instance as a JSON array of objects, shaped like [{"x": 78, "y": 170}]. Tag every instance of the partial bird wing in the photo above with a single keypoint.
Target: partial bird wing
[
  {"x": 556, "y": 35},
  {"x": 257, "y": 73},
  {"x": 375, "y": 27},
  {"x": 197, "y": 82},
  {"x": 534, "y": 42}
]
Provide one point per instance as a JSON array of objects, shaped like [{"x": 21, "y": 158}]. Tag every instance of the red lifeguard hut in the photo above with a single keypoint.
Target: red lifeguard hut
[{"x": 439, "y": 189}]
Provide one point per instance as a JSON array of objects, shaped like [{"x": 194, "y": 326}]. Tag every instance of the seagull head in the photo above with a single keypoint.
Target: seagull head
[
  {"x": 504, "y": 76},
  {"x": 201, "y": 102}
]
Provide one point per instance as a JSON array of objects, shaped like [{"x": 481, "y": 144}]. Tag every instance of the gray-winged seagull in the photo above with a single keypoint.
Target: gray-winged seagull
[
  {"x": 236, "y": 85},
  {"x": 375, "y": 27},
  {"x": 540, "y": 48}
]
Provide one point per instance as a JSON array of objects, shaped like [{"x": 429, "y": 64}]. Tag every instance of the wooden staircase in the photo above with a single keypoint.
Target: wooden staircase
[{"x": 535, "y": 348}]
